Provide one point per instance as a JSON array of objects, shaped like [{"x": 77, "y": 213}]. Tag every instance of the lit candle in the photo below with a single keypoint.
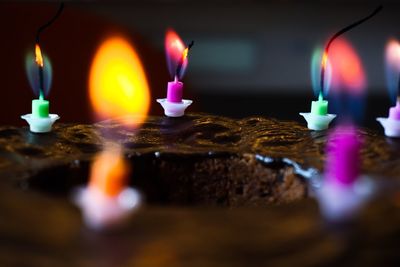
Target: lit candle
[
  {"x": 40, "y": 107},
  {"x": 39, "y": 74},
  {"x": 318, "y": 118},
  {"x": 391, "y": 124},
  {"x": 177, "y": 58}
]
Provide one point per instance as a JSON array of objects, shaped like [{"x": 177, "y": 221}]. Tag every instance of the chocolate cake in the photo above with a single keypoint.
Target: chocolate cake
[{"x": 189, "y": 169}]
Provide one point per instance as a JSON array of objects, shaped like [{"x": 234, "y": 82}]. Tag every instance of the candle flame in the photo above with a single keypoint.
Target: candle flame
[
  {"x": 324, "y": 60},
  {"x": 32, "y": 62},
  {"x": 176, "y": 53},
  {"x": 118, "y": 86},
  {"x": 348, "y": 74},
  {"x": 109, "y": 172},
  {"x": 38, "y": 56},
  {"x": 319, "y": 60},
  {"x": 392, "y": 67}
]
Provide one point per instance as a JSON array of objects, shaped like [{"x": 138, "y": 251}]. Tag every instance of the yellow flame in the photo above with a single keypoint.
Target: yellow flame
[
  {"x": 38, "y": 55},
  {"x": 185, "y": 53},
  {"x": 118, "y": 86},
  {"x": 324, "y": 60},
  {"x": 109, "y": 172}
]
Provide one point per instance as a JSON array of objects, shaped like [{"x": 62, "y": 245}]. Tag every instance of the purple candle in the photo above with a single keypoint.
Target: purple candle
[
  {"x": 174, "y": 91},
  {"x": 177, "y": 59},
  {"x": 394, "y": 112},
  {"x": 343, "y": 158}
]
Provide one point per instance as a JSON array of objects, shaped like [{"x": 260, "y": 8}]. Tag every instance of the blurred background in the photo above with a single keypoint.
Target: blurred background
[{"x": 249, "y": 57}]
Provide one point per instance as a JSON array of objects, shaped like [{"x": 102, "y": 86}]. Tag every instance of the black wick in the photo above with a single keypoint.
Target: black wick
[
  {"x": 336, "y": 35},
  {"x": 179, "y": 67},
  {"x": 41, "y": 28}
]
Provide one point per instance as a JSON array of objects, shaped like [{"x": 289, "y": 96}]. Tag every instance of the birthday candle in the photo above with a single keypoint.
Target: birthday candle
[
  {"x": 39, "y": 74},
  {"x": 391, "y": 124},
  {"x": 177, "y": 58},
  {"x": 318, "y": 118}
]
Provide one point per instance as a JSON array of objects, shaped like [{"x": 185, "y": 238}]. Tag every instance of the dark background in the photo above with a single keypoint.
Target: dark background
[{"x": 249, "y": 58}]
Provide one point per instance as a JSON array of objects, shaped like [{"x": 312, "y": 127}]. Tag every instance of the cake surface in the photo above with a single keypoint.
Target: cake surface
[{"x": 188, "y": 168}]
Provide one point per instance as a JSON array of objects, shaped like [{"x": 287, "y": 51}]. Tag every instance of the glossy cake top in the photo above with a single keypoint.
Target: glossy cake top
[{"x": 272, "y": 141}]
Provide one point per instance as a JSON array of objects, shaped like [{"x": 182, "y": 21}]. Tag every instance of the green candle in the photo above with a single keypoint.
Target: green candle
[
  {"x": 40, "y": 108},
  {"x": 319, "y": 107}
]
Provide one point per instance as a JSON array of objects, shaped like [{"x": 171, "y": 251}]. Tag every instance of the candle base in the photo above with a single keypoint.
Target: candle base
[
  {"x": 40, "y": 124},
  {"x": 342, "y": 202},
  {"x": 172, "y": 109},
  {"x": 391, "y": 126},
  {"x": 102, "y": 212},
  {"x": 318, "y": 122}
]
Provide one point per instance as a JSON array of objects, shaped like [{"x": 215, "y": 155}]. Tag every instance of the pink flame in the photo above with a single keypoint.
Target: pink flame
[
  {"x": 348, "y": 74},
  {"x": 176, "y": 52}
]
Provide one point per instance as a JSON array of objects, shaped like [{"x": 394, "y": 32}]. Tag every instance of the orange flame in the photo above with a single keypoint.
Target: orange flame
[
  {"x": 324, "y": 60},
  {"x": 109, "y": 172},
  {"x": 118, "y": 86},
  {"x": 38, "y": 56},
  {"x": 347, "y": 70}
]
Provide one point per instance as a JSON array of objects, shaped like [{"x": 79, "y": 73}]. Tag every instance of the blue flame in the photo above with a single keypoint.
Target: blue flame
[
  {"x": 316, "y": 60},
  {"x": 392, "y": 82},
  {"x": 32, "y": 72},
  {"x": 392, "y": 68}
]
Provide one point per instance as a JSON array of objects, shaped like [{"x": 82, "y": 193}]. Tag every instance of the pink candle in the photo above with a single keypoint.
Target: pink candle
[
  {"x": 343, "y": 158},
  {"x": 394, "y": 112},
  {"x": 174, "y": 91}
]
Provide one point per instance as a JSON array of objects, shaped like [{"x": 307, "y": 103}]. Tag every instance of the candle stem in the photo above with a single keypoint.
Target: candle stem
[
  {"x": 320, "y": 96},
  {"x": 176, "y": 79}
]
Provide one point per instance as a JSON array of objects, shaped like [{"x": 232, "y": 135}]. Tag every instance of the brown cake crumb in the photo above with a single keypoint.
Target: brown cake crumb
[{"x": 232, "y": 181}]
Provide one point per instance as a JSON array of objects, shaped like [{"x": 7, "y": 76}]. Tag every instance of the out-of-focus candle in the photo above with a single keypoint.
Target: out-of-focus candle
[
  {"x": 394, "y": 112},
  {"x": 343, "y": 157},
  {"x": 391, "y": 124}
]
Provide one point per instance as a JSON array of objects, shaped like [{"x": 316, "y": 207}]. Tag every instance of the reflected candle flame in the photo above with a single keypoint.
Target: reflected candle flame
[{"x": 109, "y": 172}]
